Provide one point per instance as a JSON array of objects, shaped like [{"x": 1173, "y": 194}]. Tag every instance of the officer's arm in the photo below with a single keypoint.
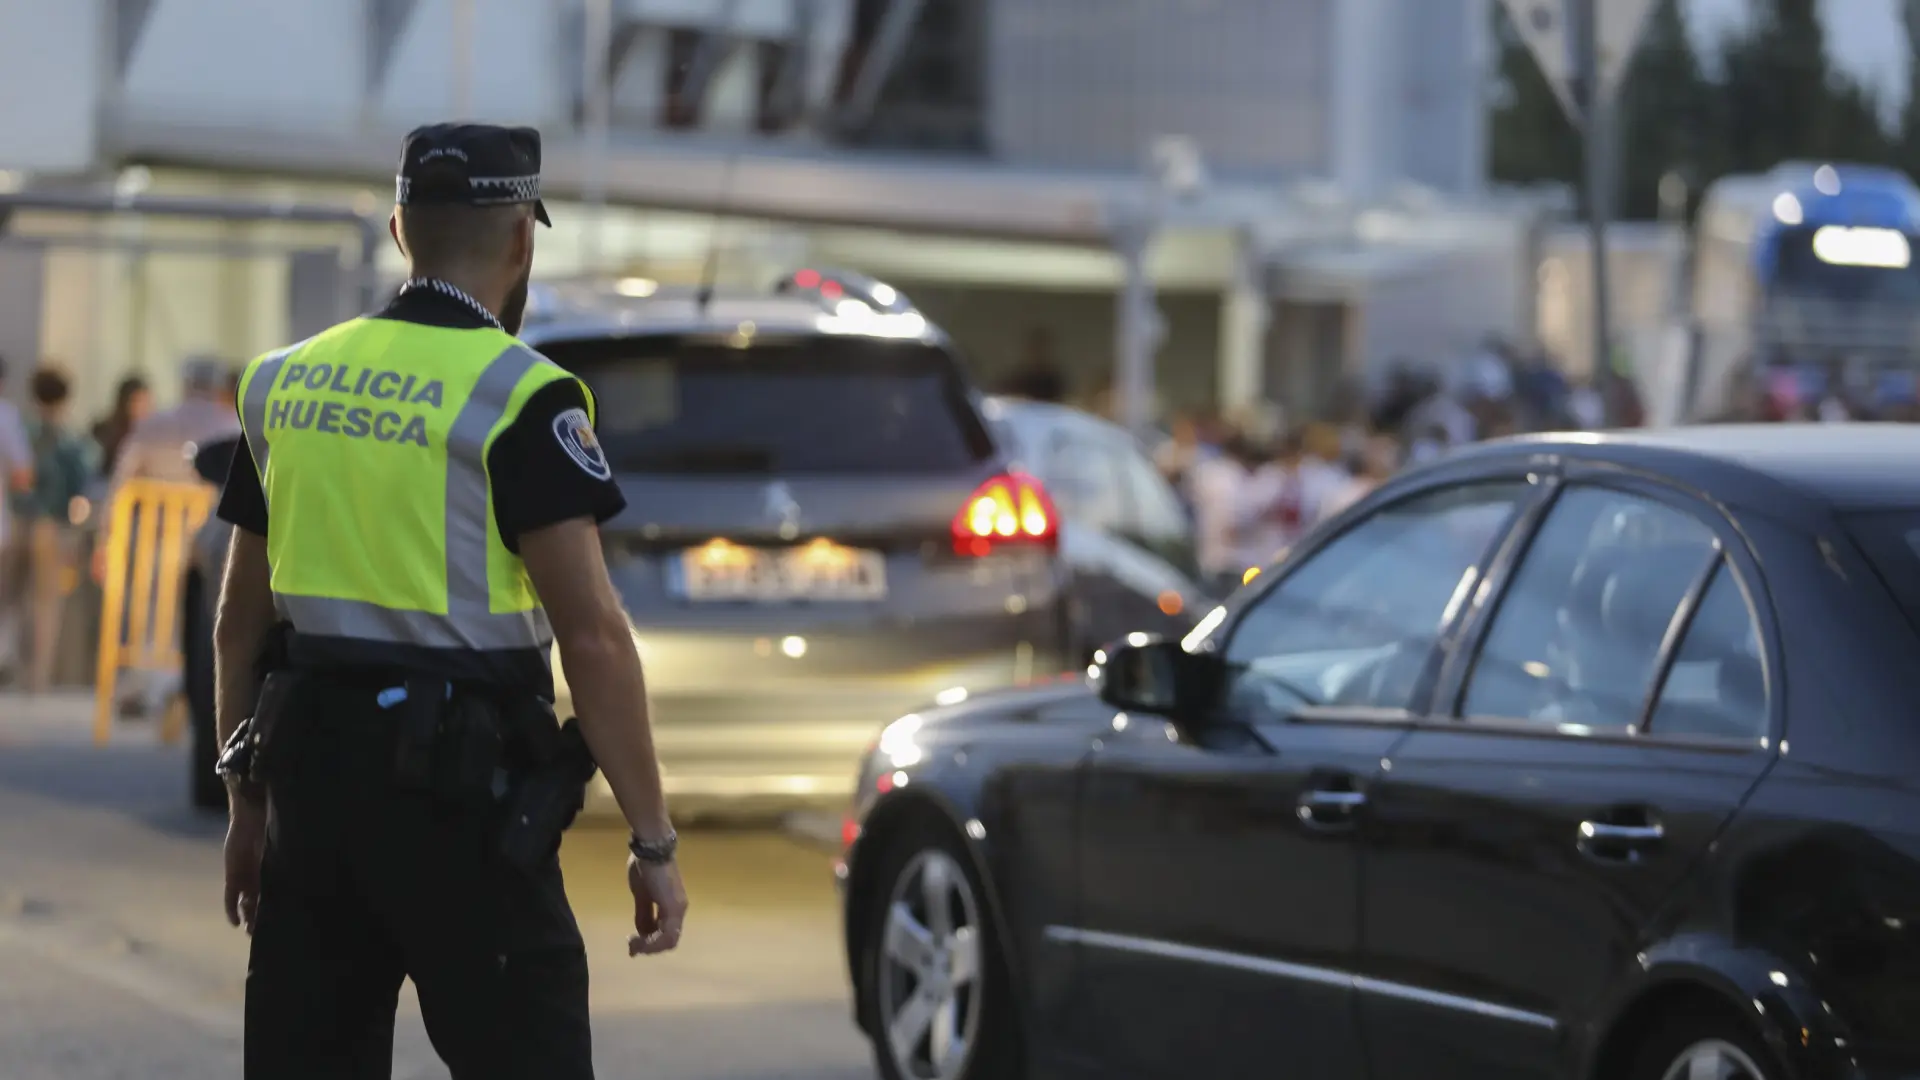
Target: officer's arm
[
  {"x": 603, "y": 668},
  {"x": 240, "y": 628}
]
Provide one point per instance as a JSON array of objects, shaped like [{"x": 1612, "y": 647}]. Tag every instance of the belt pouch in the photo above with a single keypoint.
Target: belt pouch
[
  {"x": 533, "y": 733},
  {"x": 470, "y": 750},
  {"x": 418, "y": 733},
  {"x": 270, "y": 719}
]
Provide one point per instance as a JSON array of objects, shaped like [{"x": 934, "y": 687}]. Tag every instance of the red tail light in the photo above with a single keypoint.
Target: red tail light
[{"x": 1011, "y": 508}]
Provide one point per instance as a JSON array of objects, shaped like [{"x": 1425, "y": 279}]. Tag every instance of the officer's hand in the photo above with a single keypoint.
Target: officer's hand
[
  {"x": 659, "y": 906},
  {"x": 246, "y": 844}
]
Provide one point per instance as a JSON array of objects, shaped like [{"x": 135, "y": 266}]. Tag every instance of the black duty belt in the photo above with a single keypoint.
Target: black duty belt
[{"x": 475, "y": 745}]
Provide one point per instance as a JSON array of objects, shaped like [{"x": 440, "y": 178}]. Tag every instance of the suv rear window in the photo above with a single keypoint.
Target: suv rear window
[{"x": 812, "y": 405}]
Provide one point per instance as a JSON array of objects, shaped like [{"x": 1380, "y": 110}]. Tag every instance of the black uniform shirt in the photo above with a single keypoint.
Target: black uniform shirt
[{"x": 535, "y": 482}]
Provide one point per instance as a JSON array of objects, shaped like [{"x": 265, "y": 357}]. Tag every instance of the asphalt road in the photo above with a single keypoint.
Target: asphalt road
[{"x": 115, "y": 960}]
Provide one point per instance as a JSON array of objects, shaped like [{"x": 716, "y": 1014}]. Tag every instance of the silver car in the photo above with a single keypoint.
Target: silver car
[{"x": 823, "y": 530}]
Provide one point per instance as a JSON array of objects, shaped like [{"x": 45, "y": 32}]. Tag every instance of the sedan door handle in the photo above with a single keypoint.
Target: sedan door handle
[
  {"x": 1328, "y": 810},
  {"x": 1610, "y": 843},
  {"x": 1623, "y": 834}
]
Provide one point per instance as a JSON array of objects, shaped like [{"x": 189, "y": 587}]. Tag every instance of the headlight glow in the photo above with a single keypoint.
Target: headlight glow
[{"x": 897, "y": 741}]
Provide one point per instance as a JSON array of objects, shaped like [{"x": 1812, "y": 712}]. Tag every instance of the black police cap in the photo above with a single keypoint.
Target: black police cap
[{"x": 471, "y": 165}]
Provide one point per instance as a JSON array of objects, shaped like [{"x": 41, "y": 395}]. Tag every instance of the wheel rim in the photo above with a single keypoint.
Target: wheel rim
[
  {"x": 930, "y": 969},
  {"x": 1713, "y": 1059}
]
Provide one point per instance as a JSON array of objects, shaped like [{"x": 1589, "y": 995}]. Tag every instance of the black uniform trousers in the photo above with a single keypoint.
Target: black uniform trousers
[{"x": 364, "y": 885}]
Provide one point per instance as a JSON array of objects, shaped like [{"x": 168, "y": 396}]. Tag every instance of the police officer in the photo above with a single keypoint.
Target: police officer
[{"x": 417, "y": 502}]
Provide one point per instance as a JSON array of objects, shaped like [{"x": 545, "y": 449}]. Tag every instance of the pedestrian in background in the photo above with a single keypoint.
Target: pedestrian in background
[
  {"x": 1376, "y": 463},
  {"x": 1038, "y": 376},
  {"x": 1283, "y": 498},
  {"x": 132, "y": 401},
  {"x": 161, "y": 447},
  {"x": 1219, "y": 487},
  {"x": 1185, "y": 446},
  {"x": 157, "y": 448},
  {"x": 63, "y": 463},
  {"x": 1322, "y": 471},
  {"x": 16, "y": 455},
  {"x": 16, "y": 470}
]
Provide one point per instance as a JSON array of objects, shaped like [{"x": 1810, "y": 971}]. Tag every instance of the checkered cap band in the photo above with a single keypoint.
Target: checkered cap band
[
  {"x": 484, "y": 190},
  {"x": 505, "y": 188}
]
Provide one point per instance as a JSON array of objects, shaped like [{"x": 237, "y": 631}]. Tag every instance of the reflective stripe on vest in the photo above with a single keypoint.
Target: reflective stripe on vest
[{"x": 360, "y": 435}]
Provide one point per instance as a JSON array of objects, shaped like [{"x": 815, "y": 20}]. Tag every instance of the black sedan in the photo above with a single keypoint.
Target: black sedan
[{"x": 1569, "y": 756}]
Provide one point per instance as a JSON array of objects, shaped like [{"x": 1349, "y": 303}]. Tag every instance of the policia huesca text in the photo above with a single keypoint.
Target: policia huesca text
[{"x": 416, "y": 507}]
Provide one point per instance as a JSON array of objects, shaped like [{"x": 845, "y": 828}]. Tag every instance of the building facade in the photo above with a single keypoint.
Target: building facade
[{"x": 1291, "y": 162}]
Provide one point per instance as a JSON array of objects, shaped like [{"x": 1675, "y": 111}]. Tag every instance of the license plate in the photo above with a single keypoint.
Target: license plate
[{"x": 812, "y": 572}]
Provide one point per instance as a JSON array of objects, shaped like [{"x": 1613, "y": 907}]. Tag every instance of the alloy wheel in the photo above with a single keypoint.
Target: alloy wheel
[
  {"x": 930, "y": 976},
  {"x": 1713, "y": 1059}
]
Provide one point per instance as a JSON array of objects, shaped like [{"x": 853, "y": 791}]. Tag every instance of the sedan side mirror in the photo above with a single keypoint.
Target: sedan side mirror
[
  {"x": 212, "y": 460},
  {"x": 1154, "y": 675}
]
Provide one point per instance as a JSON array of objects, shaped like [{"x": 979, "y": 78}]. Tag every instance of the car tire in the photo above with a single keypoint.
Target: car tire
[
  {"x": 205, "y": 788},
  {"x": 1671, "y": 1051},
  {"x": 954, "y": 985}
]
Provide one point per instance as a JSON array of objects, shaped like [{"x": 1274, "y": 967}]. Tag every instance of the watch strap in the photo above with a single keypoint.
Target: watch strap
[{"x": 654, "y": 852}]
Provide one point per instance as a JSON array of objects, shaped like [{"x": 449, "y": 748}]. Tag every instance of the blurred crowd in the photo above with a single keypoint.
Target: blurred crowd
[
  {"x": 58, "y": 469},
  {"x": 1254, "y": 480},
  {"x": 1831, "y": 391}
]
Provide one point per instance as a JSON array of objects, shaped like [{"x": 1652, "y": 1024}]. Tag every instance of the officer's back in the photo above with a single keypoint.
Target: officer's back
[{"x": 416, "y": 503}]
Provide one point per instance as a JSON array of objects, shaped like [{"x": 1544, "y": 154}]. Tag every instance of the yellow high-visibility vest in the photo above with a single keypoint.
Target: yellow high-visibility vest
[{"x": 371, "y": 442}]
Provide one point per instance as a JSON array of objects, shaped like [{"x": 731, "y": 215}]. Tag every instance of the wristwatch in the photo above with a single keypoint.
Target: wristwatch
[
  {"x": 235, "y": 765},
  {"x": 654, "y": 852}
]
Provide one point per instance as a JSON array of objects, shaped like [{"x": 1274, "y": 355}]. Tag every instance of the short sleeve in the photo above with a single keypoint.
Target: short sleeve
[
  {"x": 243, "y": 502},
  {"x": 15, "y": 450},
  {"x": 547, "y": 466}
]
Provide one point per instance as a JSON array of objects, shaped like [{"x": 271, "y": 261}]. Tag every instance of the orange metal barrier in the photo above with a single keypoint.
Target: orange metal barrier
[{"x": 152, "y": 523}]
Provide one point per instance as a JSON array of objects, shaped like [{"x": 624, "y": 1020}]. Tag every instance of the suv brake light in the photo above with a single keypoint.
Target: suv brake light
[{"x": 1011, "y": 508}]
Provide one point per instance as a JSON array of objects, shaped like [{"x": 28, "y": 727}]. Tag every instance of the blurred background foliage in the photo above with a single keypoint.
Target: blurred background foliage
[{"x": 1766, "y": 93}]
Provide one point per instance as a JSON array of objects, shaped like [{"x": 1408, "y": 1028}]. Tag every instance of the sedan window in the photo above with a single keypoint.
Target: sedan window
[
  {"x": 1084, "y": 479},
  {"x": 1577, "y": 635},
  {"x": 1717, "y": 684},
  {"x": 1355, "y": 624},
  {"x": 1156, "y": 508}
]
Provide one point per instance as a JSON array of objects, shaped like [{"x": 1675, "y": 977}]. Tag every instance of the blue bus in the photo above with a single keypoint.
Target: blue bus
[{"x": 1811, "y": 266}]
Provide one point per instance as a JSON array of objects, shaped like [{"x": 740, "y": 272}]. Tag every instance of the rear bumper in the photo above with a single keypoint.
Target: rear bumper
[
  {"x": 743, "y": 726},
  {"x": 748, "y": 799},
  {"x": 755, "y": 754}
]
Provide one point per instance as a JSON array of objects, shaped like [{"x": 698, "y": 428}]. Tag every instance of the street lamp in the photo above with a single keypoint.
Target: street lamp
[{"x": 1177, "y": 175}]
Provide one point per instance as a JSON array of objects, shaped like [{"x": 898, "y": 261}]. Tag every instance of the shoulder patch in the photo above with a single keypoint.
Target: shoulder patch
[{"x": 575, "y": 434}]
